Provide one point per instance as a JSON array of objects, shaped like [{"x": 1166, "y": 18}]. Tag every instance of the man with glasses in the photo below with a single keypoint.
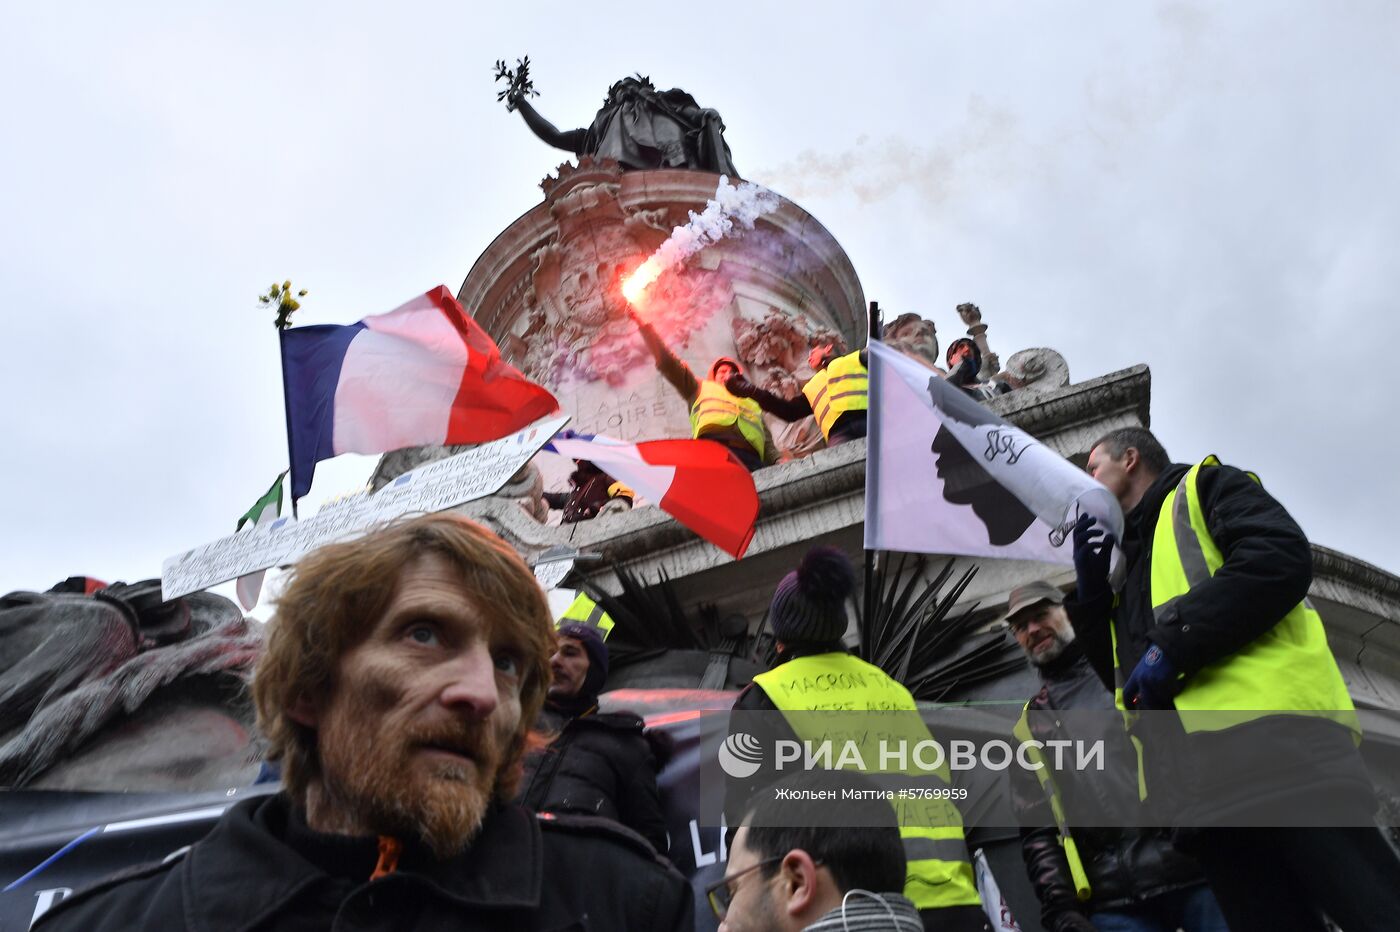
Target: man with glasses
[{"x": 791, "y": 868}]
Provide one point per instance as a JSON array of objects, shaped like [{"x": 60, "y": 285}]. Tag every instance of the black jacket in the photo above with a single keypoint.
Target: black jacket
[
  {"x": 590, "y": 490},
  {"x": 1124, "y": 865},
  {"x": 602, "y": 765},
  {"x": 260, "y": 868},
  {"x": 1218, "y": 777},
  {"x": 849, "y": 425}
]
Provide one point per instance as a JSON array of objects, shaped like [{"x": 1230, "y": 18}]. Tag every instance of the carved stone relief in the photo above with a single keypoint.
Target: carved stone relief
[
  {"x": 576, "y": 326},
  {"x": 1039, "y": 369},
  {"x": 774, "y": 353}
]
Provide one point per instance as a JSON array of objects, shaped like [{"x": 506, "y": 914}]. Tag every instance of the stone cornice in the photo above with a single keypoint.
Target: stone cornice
[
  {"x": 1355, "y": 583},
  {"x": 1125, "y": 392}
]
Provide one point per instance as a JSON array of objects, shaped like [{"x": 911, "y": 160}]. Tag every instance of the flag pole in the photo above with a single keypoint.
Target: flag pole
[
  {"x": 873, "y": 332},
  {"x": 287, "y": 414}
]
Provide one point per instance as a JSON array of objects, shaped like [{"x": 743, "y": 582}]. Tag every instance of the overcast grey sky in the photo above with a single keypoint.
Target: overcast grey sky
[{"x": 1208, "y": 189}]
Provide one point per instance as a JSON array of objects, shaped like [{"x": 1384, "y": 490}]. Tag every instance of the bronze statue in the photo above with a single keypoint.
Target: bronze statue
[{"x": 637, "y": 125}]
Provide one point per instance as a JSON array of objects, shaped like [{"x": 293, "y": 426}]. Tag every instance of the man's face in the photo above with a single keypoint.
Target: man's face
[
  {"x": 1043, "y": 631},
  {"x": 1113, "y": 473},
  {"x": 423, "y": 713},
  {"x": 570, "y": 668},
  {"x": 751, "y": 907},
  {"x": 723, "y": 371},
  {"x": 820, "y": 356}
]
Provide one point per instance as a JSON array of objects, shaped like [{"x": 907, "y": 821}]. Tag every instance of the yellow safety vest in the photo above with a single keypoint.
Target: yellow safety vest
[
  {"x": 715, "y": 408},
  {"x": 1022, "y": 731},
  {"x": 1287, "y": 670},
  {"x": 844, "y": 385},
  {"x": 939, "y": 873},
  {"x": 585, "y": 611}
]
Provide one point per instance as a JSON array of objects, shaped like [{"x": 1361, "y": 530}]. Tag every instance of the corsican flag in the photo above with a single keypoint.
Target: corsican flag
[
  {"x": 945, "y": 475},
  {"x": 264, "y": 510}
]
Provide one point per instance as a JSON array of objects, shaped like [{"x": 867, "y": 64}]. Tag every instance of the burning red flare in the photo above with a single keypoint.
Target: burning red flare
[{"x": 640, "y": 280}]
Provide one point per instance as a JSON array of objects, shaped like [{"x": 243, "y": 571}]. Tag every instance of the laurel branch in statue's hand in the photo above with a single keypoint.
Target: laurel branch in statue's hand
[{"x": 518, "y": 83}]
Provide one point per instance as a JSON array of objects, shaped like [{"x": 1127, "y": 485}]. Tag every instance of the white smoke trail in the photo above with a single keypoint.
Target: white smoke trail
[{"x": 733, "y": 206}]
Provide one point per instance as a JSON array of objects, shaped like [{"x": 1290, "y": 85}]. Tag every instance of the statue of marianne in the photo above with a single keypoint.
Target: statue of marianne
[{"x": 637, "y": 125}]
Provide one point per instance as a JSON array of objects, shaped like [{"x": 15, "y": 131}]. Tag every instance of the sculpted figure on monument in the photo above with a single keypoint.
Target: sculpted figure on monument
[
  {"x": 971, "y": 315},
  {"x": 637, "y": 125},
  {"x": 915, "y": 337},
  {"x": 774, "y": 341}
]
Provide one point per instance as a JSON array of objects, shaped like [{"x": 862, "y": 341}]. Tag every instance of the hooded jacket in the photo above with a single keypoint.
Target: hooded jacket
[{"x": 261, "y": 868}]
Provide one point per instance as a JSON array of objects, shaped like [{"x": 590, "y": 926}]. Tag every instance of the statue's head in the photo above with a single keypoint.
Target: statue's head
[
  {"x": 911, "y": 332},
  {"x": 629, "y": 87}
]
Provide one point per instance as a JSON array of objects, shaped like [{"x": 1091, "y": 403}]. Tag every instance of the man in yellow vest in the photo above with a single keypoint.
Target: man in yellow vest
[
  {"x": 1212, "y": 623},
  {"x": 715, "y": 414},
  {"x": 816, "y": 675},
  {"x": 838, "y": 395}
]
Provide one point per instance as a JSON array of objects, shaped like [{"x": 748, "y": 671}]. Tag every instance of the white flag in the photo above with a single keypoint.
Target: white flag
[{"x": 946, "y": 475}]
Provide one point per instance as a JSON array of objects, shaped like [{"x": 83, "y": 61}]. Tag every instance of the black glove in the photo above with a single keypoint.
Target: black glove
[
  {"x": 738, "y": 386},
  {"x": 1069, "y": 921},
  {"x": 1093, "y": 551}
]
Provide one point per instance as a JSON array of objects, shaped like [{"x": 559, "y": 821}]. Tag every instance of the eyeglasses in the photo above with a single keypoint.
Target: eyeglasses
[{"x": 721, "y": 894}]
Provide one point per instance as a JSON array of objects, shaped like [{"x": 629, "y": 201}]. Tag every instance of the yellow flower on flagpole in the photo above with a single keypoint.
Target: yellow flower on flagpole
[{"x": 281, "y": 295}]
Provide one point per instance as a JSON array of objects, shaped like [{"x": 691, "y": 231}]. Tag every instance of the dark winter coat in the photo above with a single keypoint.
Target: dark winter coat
[
  {"x": 601, "y": 765},
  {"x": 591, "y": 490},
  {"x": 260, "y": 868},
  {"x": 1221, "y": 776},
  {"x": 1124, "y": 865}
]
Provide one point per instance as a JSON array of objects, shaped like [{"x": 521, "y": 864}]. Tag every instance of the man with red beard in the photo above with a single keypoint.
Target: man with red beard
[{"x": 400, "y": 675}]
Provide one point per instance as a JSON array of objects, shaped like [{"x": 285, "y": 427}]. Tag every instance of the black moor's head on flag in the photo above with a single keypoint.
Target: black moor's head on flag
[{"x": 967, "y": 482}]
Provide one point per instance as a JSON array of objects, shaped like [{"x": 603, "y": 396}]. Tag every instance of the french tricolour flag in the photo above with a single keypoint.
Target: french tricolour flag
[
  {"x": 421, "y": 374},
  {"x": 698, "y": 482}
]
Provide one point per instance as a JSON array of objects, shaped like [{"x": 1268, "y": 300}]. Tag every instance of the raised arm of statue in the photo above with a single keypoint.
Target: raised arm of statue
[{"x": 569, "y": 141}]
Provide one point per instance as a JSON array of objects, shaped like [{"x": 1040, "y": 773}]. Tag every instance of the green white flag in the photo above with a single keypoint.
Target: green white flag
[{"x": 265, "y": 509}]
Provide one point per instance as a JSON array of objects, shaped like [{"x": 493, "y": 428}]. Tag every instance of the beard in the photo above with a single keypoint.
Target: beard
[
  {"x": 1051, "y": 651},
  {"x": 377, "y": 777}
]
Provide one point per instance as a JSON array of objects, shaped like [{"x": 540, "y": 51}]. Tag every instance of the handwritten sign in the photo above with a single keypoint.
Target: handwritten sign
[
  {"x": 436, "y": 486},
  {"x": 551, "y": 574}
]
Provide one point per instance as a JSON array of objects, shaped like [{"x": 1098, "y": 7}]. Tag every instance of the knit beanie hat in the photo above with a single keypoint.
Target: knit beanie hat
[
  {"x": 592, "y": 640},
  {"x": 810, "y": 602}
]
